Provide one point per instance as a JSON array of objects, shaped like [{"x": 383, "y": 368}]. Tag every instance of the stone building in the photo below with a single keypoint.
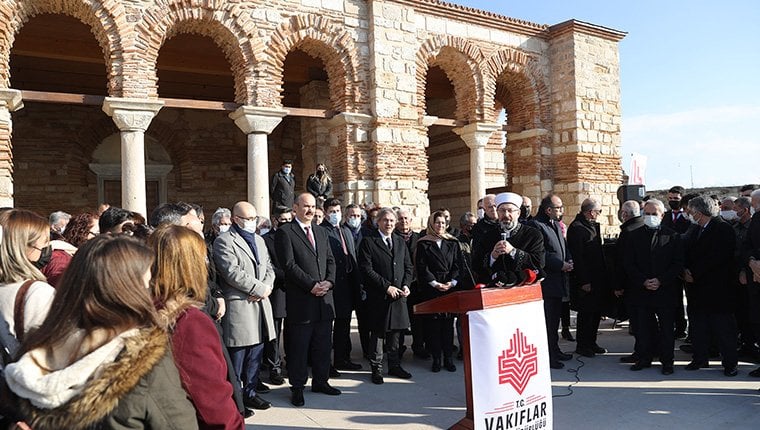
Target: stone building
[{"x": 415, "y": 103}]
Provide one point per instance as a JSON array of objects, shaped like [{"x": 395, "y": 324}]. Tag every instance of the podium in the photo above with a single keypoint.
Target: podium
[{"x": 462, "y": 302}]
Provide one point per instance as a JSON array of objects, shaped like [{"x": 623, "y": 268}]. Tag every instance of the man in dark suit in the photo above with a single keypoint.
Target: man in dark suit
[
  {"x": 386, "y": 272},
  {"x": 630, "y": 215},
  {"x": 558, "y": 263},
  {"x": 282, "y": 185},
  {"x": 346, "y": 290},
  {"x": 404, "y": 230},
  {"x": 280, "y": 216},
  {"x": 710, "y": 279},
  {"x": 589, "y": 284},
  {"x": 304, "y": 251},
  {"x": 484, "y": 231},
  {"x": 675, "y": 219},
  {"x": 751, "y": 268},
  {"x": 653, "y": 261}
]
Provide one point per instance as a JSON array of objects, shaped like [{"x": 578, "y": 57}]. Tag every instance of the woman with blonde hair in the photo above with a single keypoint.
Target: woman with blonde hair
[
  {"x": 319, "y": 184},
  {"x": 25, "y": 296},
  {"x": 100, "y": 359},
  {"x": 179, "y": 289}
]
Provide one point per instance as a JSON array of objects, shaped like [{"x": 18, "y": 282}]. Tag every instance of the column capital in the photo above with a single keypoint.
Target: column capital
[
  {"x": 12, "y": 99},
  {"x": 476, "y": 134},
  {"x": 132, "y": 114},
  {"x": 344, "y": 118},
  {"x": 428, "y": 120},
  {"x": 254, "y": 119}
]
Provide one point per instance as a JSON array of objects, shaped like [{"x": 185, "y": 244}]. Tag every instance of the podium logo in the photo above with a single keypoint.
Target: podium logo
[{"x": 518, "y": 363}]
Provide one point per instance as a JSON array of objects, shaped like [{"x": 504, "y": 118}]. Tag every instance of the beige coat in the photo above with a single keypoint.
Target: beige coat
[{"x": 247, "y": 322}]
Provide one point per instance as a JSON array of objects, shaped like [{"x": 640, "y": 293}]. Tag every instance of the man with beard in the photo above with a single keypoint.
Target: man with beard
[
  {"x": 484, "y": 231},
  {"x": 588, "y": 280},
  {"x": 512, "y": 248},
  {"x": 558, "y": 265}
]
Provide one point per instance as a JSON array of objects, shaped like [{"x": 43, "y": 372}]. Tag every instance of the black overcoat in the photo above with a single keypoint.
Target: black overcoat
[
  {"x": 436, "y": 264},
  {"x": 653, "y": 253},
  {"x": 709, "y": 257},
  {"x": 556, "y": 282},
  {"x": 589, "y": 267},
  {"x": 346, "y": 290}
]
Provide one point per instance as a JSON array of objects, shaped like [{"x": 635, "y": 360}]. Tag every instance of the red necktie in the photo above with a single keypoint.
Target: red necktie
[
  {"x": 342, "y": 241},
  {"x": 311, "y": 238}
]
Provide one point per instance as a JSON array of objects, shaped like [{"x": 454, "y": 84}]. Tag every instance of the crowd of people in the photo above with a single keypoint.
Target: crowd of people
[{"x": 114, "y": 321}]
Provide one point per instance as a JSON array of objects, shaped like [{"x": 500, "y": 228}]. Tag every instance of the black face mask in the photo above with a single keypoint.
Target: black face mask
[
  {"x": 45, "y": 255},
  {"x": 524, "y": 213},
  {"x": 674, "y": 204}
]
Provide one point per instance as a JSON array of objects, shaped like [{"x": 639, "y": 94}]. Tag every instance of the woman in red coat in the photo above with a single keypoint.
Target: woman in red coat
[{"x": 179, "y": 288}]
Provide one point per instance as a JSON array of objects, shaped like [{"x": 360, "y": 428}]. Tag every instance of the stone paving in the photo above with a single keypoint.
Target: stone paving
[{"x": 607, "y": 396}]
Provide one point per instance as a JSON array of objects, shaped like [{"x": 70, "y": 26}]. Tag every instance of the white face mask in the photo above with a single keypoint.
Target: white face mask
[
  {"x": 224, "y": 228},
  {"x": 354, "y": 222},
  {"x": 652, "y": 221},
  {"x": 334, "y": 218},
  {"x": 752, "y": 210},
  {"x": 481, "y": 213},
  {"x": 728, "y": 215},
  {"x": 691, "y": 219},
  {"x": 263, "y": 231},
  {"x": 250, "y": 226}
]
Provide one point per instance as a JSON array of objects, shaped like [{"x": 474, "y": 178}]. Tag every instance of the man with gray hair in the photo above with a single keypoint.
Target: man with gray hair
[
  {"x": 711, "y": 282},
  {"x": 630, "y": 216},
  {"x": 653, "y": 260},
  {"x": 58, "y": 222},
  {"x": 588, "y": 280}
]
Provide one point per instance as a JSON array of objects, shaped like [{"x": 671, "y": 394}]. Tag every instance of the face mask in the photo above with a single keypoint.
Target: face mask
[
  {"x": 728, "y": 215},
  {"x": 481, "y": 213},
  {"x": 249, "y": 226},
  {"x": 45, "y": 255},
  {"x": 286, "y": 170},
  {"x": 691, "y": 219},
  {"x": 652, "y": 221},
  {"x": 752, "y": 210},
  {"x": 263, "y": 231},
  {"x": 354, "y": 222},
  {"x": 224, "y": 228},
  {"x": 524, "y": 212},
  {"x": 320, "y": 172},
  {"x": 334, "y": 218},
  {"x": 674, "y": 204}
]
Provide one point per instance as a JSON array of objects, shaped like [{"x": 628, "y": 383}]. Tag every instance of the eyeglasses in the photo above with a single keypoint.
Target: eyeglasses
[
  {"x": 255, "y": 218},
  {"x": 505, "y": 210}
]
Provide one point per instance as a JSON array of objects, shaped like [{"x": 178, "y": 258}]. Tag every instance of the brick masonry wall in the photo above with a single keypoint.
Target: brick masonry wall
[{"x": 561, "y": 88}]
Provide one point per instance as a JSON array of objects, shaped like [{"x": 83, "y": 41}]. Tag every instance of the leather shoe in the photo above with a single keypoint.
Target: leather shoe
[
  {"x": 256, "y": 402},
  {"x": 557, "y": 365},
  {"x": 275, "y": 378},
  {"x": 399, "y": 372},
  {"x": 564, "y": 357},
  {"x": 598, "y": 349},
  {"x": 325, "y": 389},
  {"x": 422, "y": 354},
  {"x": 586, "y": 352},
  {"x": 731, "y": 371},
  {"x": 640, "y": 365},
  {"x": 248, "y": 413},
  {"x": 436, "y": 365},
  {"x": 667, "y": 370},
  {"x": 694, "y": 365},
  {"x": 348, "y": 365},
  {"x": 296, "y": 397},
  {"x": 334, "y": 372},
  {"x": 755, "y": 373},
  {"x": 262, "y": 388},
  {"x": 449, "y": 365},
  {"x": 567, "y": 335},
  {"x": 377, "y": 377},
  {"x": 629, "y": 359}
]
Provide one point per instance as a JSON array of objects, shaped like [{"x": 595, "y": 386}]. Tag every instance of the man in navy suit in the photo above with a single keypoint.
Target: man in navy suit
[{"x": 304, "y": 251}]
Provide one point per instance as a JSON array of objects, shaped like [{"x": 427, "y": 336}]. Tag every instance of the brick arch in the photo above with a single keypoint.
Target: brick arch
[
  {"x": 459, "y": 59},
  {"x": 221, "y": 21},
  {"x": 522, "y": 85},
  {"x": 100, "y": 16},
  {"x": 318, "y": 37}
]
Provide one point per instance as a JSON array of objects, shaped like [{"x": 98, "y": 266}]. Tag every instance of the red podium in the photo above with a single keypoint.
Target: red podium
[{"x": 472, "y": 300}]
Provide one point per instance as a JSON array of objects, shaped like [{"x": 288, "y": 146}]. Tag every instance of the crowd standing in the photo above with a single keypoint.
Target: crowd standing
[{"x": 114, "y": 321}]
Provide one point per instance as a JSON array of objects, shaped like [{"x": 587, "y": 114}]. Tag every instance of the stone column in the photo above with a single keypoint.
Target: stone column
[
  {"x": 10, "y": 101},
  {"x": 476, "y": 136},
  {"x": 348, "y": 136},
  {"x": 132, "y": 117},
  {"x": 257, "y": 123}
]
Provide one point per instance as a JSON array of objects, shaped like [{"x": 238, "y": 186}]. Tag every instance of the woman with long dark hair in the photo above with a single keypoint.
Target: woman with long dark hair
[
  {"x": 100, "y": 359},
  {"x": 438, "y": 259}
]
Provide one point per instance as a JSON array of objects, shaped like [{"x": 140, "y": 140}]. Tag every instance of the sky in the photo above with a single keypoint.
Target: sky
[{"x": 690, "y": 82}]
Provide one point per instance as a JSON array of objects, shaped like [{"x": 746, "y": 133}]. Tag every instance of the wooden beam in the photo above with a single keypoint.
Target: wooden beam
[
  {"x": 62, "y": 98},
  {"x": 200, "y": 104}
]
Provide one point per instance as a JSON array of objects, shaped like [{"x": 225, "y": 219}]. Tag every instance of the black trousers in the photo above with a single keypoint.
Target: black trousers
[
  {"x": 744, "y": 316},
  {"x": 391, "y": 343},
  {"x": 552, "y": 316},
  {"x": 565, "y": 315},
  {"x": 439, "y": 331},
  {"x": 587, "y": 328},
  {"x": 272, "y": 356},
  {"x": 655, "y": 333},
  {"x": 680, "y": 315},
  {"x": 753, "y": 305},
  {"x": 341, "y": 340},
  {"x": 361, "y": 320},
  {"x": 311, "y": 340},
  {"x": 722, "y": 326}
]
